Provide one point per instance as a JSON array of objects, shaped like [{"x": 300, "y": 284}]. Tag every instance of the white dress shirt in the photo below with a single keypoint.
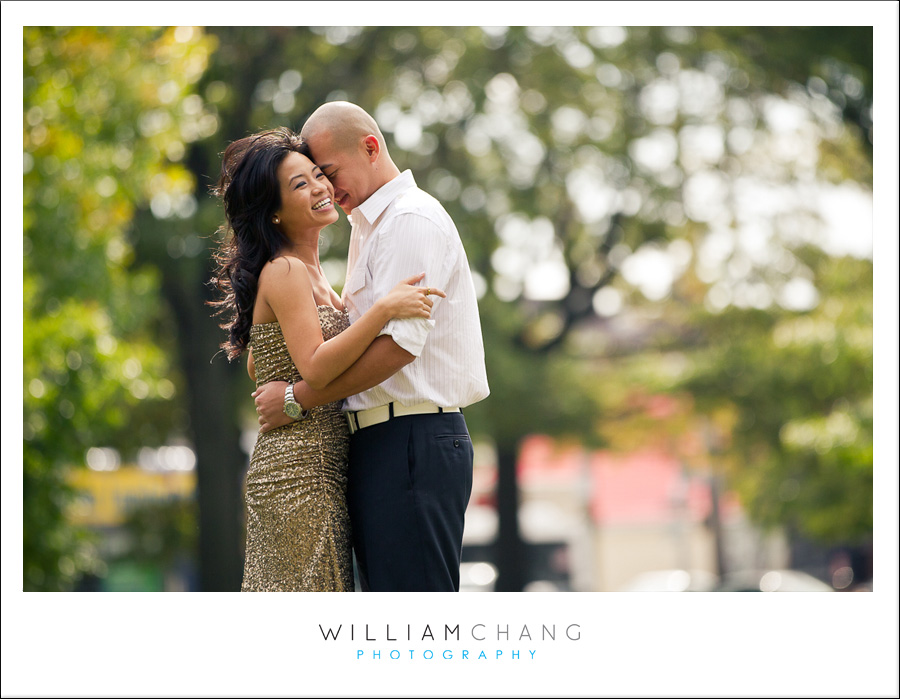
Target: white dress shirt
[{"x": 396, "y": 233}]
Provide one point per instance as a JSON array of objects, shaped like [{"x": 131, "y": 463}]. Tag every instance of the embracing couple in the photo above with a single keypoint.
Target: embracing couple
[{"x": 362, "y": 440}]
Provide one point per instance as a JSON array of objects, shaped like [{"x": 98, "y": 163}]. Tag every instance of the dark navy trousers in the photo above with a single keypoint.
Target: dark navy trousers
[{"x": 409, "y": 484}]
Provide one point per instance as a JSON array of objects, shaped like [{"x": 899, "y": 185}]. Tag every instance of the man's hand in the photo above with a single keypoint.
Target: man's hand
[
  {"x": 383, "y": 358},
  {"x": 269, "y": 400}
]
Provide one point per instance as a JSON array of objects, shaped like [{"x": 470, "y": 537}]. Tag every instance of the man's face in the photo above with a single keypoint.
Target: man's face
[{"x": 348, "y": 170}]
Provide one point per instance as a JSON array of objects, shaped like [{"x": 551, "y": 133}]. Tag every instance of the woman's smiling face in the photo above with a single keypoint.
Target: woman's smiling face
[{"x": 307, "y": 197}]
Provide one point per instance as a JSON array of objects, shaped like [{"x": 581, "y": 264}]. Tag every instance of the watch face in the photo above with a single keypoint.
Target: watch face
[{"x": 292, "y": 410}]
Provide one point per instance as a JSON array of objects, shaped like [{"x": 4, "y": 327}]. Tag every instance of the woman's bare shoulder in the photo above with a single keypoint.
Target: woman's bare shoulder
[{"x": 278, "y": 268}]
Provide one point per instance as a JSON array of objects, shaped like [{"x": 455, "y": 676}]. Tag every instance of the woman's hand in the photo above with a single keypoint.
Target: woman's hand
[
  {"x": 409, "y": 301},
  {"x": 269, "y": 399}
]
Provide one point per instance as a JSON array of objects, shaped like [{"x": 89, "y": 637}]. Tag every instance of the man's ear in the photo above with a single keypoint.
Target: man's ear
[{"x": 372, "y": 147}]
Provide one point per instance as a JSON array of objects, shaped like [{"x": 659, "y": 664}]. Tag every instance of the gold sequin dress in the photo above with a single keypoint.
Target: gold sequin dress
[{"x": 298, "y": 529}]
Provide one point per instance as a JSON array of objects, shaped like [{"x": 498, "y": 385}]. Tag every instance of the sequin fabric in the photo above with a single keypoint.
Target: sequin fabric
[{"x": 298, "y": 529}]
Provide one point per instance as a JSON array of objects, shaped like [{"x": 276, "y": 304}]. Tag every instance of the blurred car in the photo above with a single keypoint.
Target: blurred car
[
  {"x": 672, "y": 581},
  {"x": 477, "y": 577},
  {"x": 772, "y": 581}
]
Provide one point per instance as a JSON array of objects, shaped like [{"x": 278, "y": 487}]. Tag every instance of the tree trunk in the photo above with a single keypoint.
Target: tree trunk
[
  {"x": 509, "y": 552},
  {"x": 215, "y": 433}
]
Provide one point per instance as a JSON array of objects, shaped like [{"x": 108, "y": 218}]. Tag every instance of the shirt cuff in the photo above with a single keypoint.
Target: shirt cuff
[{"x": 409, "y": 333}]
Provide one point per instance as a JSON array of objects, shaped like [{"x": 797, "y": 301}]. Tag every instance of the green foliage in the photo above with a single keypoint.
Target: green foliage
[
  {"x": 778, "y": 402},
  {"x": 799, "y": 386},
  {"x": 106, "y": 112},
  {"x": 531, "y": 393},
  {"x": 162, "y": 534},
  {"x": 834, "y": 63}
]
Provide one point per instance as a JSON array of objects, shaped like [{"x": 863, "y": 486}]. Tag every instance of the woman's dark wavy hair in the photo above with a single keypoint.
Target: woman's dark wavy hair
[{"x": 251, "y": 194}]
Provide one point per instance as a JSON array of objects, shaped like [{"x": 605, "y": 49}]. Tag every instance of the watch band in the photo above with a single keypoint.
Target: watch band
[{"x": 292, "y": 408}]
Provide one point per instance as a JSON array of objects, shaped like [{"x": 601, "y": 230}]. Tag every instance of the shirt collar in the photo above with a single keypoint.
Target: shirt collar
[{"x": 375, "y": 205}]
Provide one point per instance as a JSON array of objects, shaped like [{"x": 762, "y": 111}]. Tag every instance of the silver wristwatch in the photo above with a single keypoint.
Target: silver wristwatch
[{"x": 292, "y": 408}]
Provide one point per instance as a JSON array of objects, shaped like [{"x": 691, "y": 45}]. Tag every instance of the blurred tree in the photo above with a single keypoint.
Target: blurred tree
[
  {"x": 799, "y": 385},
  {"x": 161, "y": 534},
  {"x": 103, "y": 119},
  {"x": 834, "y": 63},
  {"x": 777, "y": 402}
]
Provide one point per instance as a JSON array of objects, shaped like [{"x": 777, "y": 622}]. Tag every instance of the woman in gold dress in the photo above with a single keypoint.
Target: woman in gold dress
[{"x": 280, "y": 305}]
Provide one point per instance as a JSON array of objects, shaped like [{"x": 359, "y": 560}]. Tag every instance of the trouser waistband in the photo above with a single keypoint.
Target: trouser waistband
[{"x": 360, "y": 419}]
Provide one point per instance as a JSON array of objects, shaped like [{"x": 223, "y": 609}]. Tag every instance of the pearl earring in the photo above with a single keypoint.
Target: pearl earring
[{"x": 276, "y": 220}]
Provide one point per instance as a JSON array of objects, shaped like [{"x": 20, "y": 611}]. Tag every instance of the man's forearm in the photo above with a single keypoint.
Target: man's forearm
[{"x": 383, "y": 359}]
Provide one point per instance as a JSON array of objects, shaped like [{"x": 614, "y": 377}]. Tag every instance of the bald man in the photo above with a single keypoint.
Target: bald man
[{"x": 410, "y": 450}]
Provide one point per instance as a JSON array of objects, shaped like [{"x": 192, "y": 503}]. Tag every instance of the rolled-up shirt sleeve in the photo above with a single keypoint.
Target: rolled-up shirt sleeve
[{"x": 413, "y": 244}]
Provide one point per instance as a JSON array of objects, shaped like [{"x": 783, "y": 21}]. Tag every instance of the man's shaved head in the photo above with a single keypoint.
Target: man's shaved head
[
  {"x": 346, "y": 123},
  {"x": 349, "y": 147}
]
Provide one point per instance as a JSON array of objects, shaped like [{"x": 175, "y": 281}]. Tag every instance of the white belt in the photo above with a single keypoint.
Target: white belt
[{"x": 360, "y": 419}]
